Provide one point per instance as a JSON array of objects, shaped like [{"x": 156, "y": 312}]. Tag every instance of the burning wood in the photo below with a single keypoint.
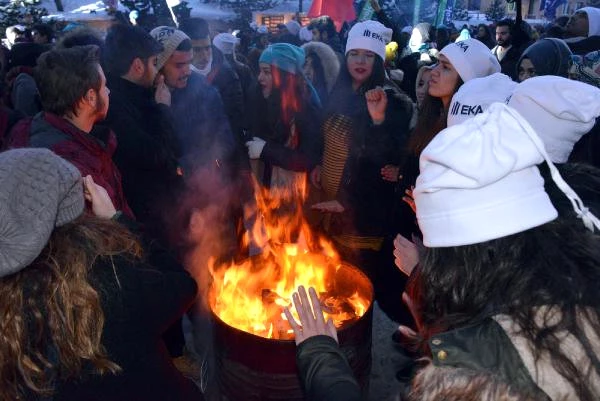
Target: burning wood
[{"x": 251, "y": 295}]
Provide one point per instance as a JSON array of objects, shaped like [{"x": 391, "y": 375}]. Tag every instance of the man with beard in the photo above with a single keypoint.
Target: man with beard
[
  {"x": 201, "y": 125},
  {"x": 507, "y": 52},
  {"x": 139, "y": 115},
  {"x": 74, "y": 98}
]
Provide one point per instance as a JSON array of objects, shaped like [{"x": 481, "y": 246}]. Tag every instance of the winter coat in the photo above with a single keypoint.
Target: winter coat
[
  {"x": 8, "y": 119},
  {"x": 139, "y": 304},
  {"x": 329, "y": 65},
  {"x": 508, "y": 64},
  {"x": 583, "y": 46},
  {"x": 268, "y": 125},
  {"x": 365, "y": 196},
  {"x": 24, "y": 95},
  {"x": 324, "y": 371},
  {"x": 147, "y": 152},
  {"x": 224, "y": 77},
  {"x": 496, "y": 345},
  {"x": 90, "y": 153},
  {"x": 201, "y": 126}
]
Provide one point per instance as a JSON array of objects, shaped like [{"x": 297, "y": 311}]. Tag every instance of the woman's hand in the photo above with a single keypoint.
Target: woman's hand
[
  {"x": 376, "y": 104},
  {"x": 312, "y": 322},
  {"x": 390, "y": 173},
  {"x": 102, "y": 205},
  {"x": 329, "y": 206},
  {"x": 406, "y": 254}
]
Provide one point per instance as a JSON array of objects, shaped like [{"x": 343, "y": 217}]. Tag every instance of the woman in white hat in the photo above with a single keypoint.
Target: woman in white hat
[{"x": 366, "y": 125}]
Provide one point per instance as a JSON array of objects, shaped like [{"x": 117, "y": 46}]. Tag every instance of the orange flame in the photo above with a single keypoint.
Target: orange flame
[{"x": 251, "y": 295}]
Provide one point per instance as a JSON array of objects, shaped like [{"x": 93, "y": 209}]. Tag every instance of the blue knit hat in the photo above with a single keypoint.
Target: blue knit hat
[{"x": 284, "y": 56}]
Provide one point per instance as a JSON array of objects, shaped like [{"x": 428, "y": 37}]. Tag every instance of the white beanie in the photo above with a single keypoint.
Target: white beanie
[
  {"x": 170, "y": 38},
  {"x": 293, "y": 27},
  {"x": 226, "y": 42},
  {"x": 369, "y": 35},
  {"x": 407, "y": 29},
  {"x": 479, "y": 181},
  {"x": 471, "y": 59},
  {"x": 560, "y": 111},
  {"x": 476, "y": 95},
  {"x": 593, "y": 14}
]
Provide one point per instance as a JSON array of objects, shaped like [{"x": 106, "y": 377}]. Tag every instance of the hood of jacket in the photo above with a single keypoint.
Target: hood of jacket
[{"x": 329, "y": 61}]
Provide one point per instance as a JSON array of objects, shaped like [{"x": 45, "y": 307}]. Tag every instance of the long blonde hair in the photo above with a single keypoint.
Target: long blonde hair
[{"x": 52, "y": 319}]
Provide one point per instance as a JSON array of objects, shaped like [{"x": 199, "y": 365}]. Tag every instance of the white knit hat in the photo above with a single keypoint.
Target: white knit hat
[
  {"x": 476, "y": 95},
  {"x": 369, "y": 35},
  {"x": 471, "y": 59},
  {"x": 560, "y": 111},
  {"x": 170, "y": 38},
  {"x": 479, "y": 181},
  {"x": 593, "y": 14},
  {"x": 226, "y": 42}
]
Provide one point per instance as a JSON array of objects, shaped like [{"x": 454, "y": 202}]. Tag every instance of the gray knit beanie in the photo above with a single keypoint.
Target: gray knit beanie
[
  {"x": 38, "y": 192},
  {"x": 170, "y": 38}
]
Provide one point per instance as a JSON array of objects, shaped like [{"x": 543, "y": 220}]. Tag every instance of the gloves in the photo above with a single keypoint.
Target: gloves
[{"x": 255, "y": 147}]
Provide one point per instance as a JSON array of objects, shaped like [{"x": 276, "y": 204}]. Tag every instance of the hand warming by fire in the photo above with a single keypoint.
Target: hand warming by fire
[
  {"x": 310, "y": 312},
  {"x": 252, "y": 295}
]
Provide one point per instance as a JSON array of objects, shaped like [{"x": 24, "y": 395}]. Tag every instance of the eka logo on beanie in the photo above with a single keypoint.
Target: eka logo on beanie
[
  {"x": 465, "y": 109},
  {"x": 475, "y": 96},
  {"x": 471, "y": 59},
  {"x": 369, "y": 35},
  {"x": 374, "y": 35}
]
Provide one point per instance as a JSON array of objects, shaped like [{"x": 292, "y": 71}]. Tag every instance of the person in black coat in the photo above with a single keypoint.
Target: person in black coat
[
  {"x": 366, "y": 127},
  {"x": 147, "y": 154},
  {"x": 286, "y": 118},
  {"x": 209, "y": 61}
]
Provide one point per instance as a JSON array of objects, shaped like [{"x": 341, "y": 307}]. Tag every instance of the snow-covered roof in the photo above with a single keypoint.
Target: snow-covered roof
[
  {"x": 288, "y": 6},
  {"x": 210, "y": 11},
  {"x": 90, "y": 10}
]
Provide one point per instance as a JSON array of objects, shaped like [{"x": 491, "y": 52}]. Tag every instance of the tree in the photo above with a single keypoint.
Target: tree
[
  {"x": 13, "y": 12},
  {"x": 460, "y": 12},
  {"x": 496, "y": 11}
]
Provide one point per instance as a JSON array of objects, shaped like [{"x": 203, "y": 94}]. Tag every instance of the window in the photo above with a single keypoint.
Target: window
[{"x": 271, "y": 21}]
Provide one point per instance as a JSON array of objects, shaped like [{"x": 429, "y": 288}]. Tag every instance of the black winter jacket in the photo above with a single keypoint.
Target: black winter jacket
[
  {"x": 147, "y": 152},
  {"x": 365, "y": 196},
  {"x": 139, "y": 304}
]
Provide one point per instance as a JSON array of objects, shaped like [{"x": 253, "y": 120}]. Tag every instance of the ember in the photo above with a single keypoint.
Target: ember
[{"x": 251, "y": 295}]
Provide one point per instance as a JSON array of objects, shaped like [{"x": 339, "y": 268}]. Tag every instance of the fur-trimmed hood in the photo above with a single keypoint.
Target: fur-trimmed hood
[{"x": 329, "y": 60}]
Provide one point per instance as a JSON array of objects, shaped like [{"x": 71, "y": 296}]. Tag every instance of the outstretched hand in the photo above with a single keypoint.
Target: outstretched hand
[{"x": 312, "y": 322}]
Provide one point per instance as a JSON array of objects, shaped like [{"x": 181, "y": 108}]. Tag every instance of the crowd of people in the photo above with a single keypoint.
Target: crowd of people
[{"x": 458, "y": 169}]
